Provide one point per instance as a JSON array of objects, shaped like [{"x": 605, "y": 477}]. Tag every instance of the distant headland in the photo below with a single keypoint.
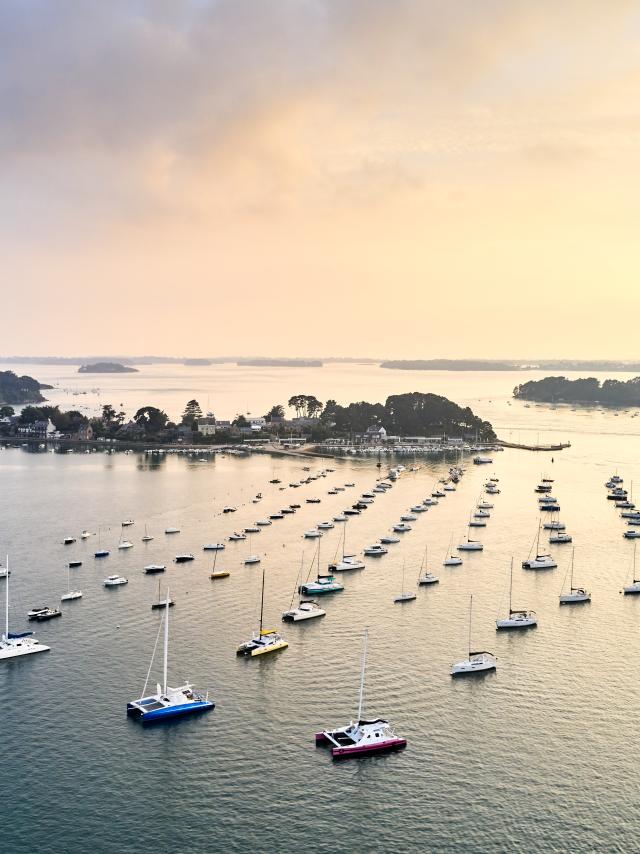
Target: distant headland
[
  {"x": 280, "y": 363},
  {"x": 107, "y": 368},
  {"x": 16, "y": 391}
]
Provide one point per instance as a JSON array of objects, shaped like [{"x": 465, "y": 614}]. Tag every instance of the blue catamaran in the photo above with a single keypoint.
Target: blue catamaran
[{"x": 168, "y": 702}]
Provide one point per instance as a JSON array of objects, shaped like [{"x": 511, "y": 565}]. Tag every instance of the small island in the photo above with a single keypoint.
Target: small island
[
  {"x": 16, "y": 391},
  {"x": 107, "y": 368},
  {"x": 197, "y": 362},
  {"x": 584, "y": 390}
]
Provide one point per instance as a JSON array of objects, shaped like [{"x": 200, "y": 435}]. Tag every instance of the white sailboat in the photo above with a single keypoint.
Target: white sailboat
[
  {"x": 307, "y": 609},
  {"x": 15, "y": 644},
  {"x": 348, "y": 561},
  {"x": 477, "y": 662},
  {"x": 404, "y": 596},
  {"x": 634, "y": 587},
  {"x": 251, "y": 558},
  {"x": 450, "y": 559},
  {"x": 540, "y": 561},
  {"x": 426, "y": 577},
  {"x": 147, "y": 537},
  {"x": 70, "y": 594},
  {"x": 517, "y": 619},
  {"x": 576, "y": 594}
]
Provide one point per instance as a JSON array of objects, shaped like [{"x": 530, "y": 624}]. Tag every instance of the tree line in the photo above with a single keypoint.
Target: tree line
[{"x": 585, "y": 390}]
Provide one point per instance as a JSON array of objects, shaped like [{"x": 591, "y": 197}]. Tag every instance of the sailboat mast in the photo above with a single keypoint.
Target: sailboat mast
[
  {"x": 262, "y": 600},
  {"x": 362, "y": 670},
  {"x": 470, "y": 609},
  {"x": 573, "y": 551},
  {"x": 166, "y": 642},
  {"x": 510, "y": 585},
  {"x": 6, "y": 602}
]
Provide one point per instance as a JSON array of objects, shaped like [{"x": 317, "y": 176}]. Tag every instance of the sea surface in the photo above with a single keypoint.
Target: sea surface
[{"x": 538, "y": 756}]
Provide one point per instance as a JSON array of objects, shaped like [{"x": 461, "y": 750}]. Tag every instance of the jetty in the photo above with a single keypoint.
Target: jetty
[{"x": 560, "y": 446}]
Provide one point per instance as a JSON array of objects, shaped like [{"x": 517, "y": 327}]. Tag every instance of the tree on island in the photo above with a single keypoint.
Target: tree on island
[
  {"x": 305, "y": 405},
  {"x": 152, "y": 419},
  {"x": 191, "y": 414},
  {"x": 7, "y": 411},
  {"x": 276, "y": 411},
  {"x": 240, "y": 421}
]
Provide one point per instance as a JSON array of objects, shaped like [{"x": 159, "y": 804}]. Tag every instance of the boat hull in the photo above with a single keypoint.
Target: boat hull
[
  {"x": 157, "y": 715},
  {"x": 383, "y": 747},
  {"x": 19, "y": 651}
]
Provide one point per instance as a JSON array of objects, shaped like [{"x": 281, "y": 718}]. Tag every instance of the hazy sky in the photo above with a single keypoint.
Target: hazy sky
[{"x": 409, "y": 178}]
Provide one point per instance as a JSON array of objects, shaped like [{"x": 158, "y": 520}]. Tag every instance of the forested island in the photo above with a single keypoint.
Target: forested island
[
  {"x": 448, "y": 365},
  {"x": 587, "y": 390},
  {"x": 15, "y": 390},
  {"x": 107, "y": 368}
]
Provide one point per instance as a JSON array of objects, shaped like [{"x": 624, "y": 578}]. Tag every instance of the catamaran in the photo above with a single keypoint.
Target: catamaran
[
  {"x": 477, "y": 662},
  {"x": 266, "y": 640},
  {"x": 168, "y": 702},
  {"x": 361, "y": 736},
  {"x": 517, "y": 619},
  {"x": 14, "y": 644}
]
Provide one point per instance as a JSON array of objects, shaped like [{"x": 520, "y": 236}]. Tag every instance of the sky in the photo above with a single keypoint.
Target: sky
[{"x": 382, "y": 178}]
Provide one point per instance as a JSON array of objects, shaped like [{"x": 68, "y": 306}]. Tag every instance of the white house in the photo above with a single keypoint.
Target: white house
[{"x": 207, "y": 425}]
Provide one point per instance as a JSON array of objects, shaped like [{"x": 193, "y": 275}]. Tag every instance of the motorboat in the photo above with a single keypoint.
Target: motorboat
[
  {"x": 485, "y": 505},
  {"x": 351, "y": 511},
  {"x": 313, "y": 534},
  {"x": 361, "y": 737},
  {"x": 172, "y": 530},
  {"x": 251, "y": 559},
  {"x": 307, "y": 609},
  {"x": 340, "y": 518},
  {"x": 313, "y": 501},
  {"x": 287, "y": 511},
  {"x": 389, "y": 540},
  {"x": 576, "y": 595},
  {"x": 631, "y": 535},
  {"x": 554, "y": 526},
  {"x": 375, "y": 550},
  {"x": 115, "y": 581},
  {"x": 470, "y": 546},
  {"x": 262, "y": 523},
  {"x": 154, "y": 568},
  {"x": 213, "y": 547},
  {"x": 325, "y": 526},
  {"x": 482, "y": 514},
  {"x": 229, "y": 509},
  {"x": 252, "y": 529},
  {"x": 68, "y": 541},
  {"x": 559, "y": 537},
  {"x": 477, "y": 523},
  {"x": 549, "y": 508},
  {"x": 482, "y": 461},
  {"x": 402, "y": 528},
  {"x": 408, "y": 517},
  {"x": 237, "y": 537},
  {"x": 85, "y": 535},
  {"x": 44, "y": 614},
  {"x": 419, "y": 508},
  {"x": 517, "y": 618},
  {"x": 185, "y": 557},
  {"x": 127, "y": 523},
  {"x": 477, "y": 662},
  {"x": 323, "y": 584},
  {"x": 438, "y": 493},
  {"x": 346, "y": 564},
  {"x": 277, "y": 515},
  {"x": 168, "y": 702},
  {"x": 430, "y": 502},
  {"x": 449, "y": 487},
  {"x": 74, "y": 564}
]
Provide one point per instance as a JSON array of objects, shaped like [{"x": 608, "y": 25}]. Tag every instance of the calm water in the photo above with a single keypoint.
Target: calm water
[{"x": 534, "y": 757}]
